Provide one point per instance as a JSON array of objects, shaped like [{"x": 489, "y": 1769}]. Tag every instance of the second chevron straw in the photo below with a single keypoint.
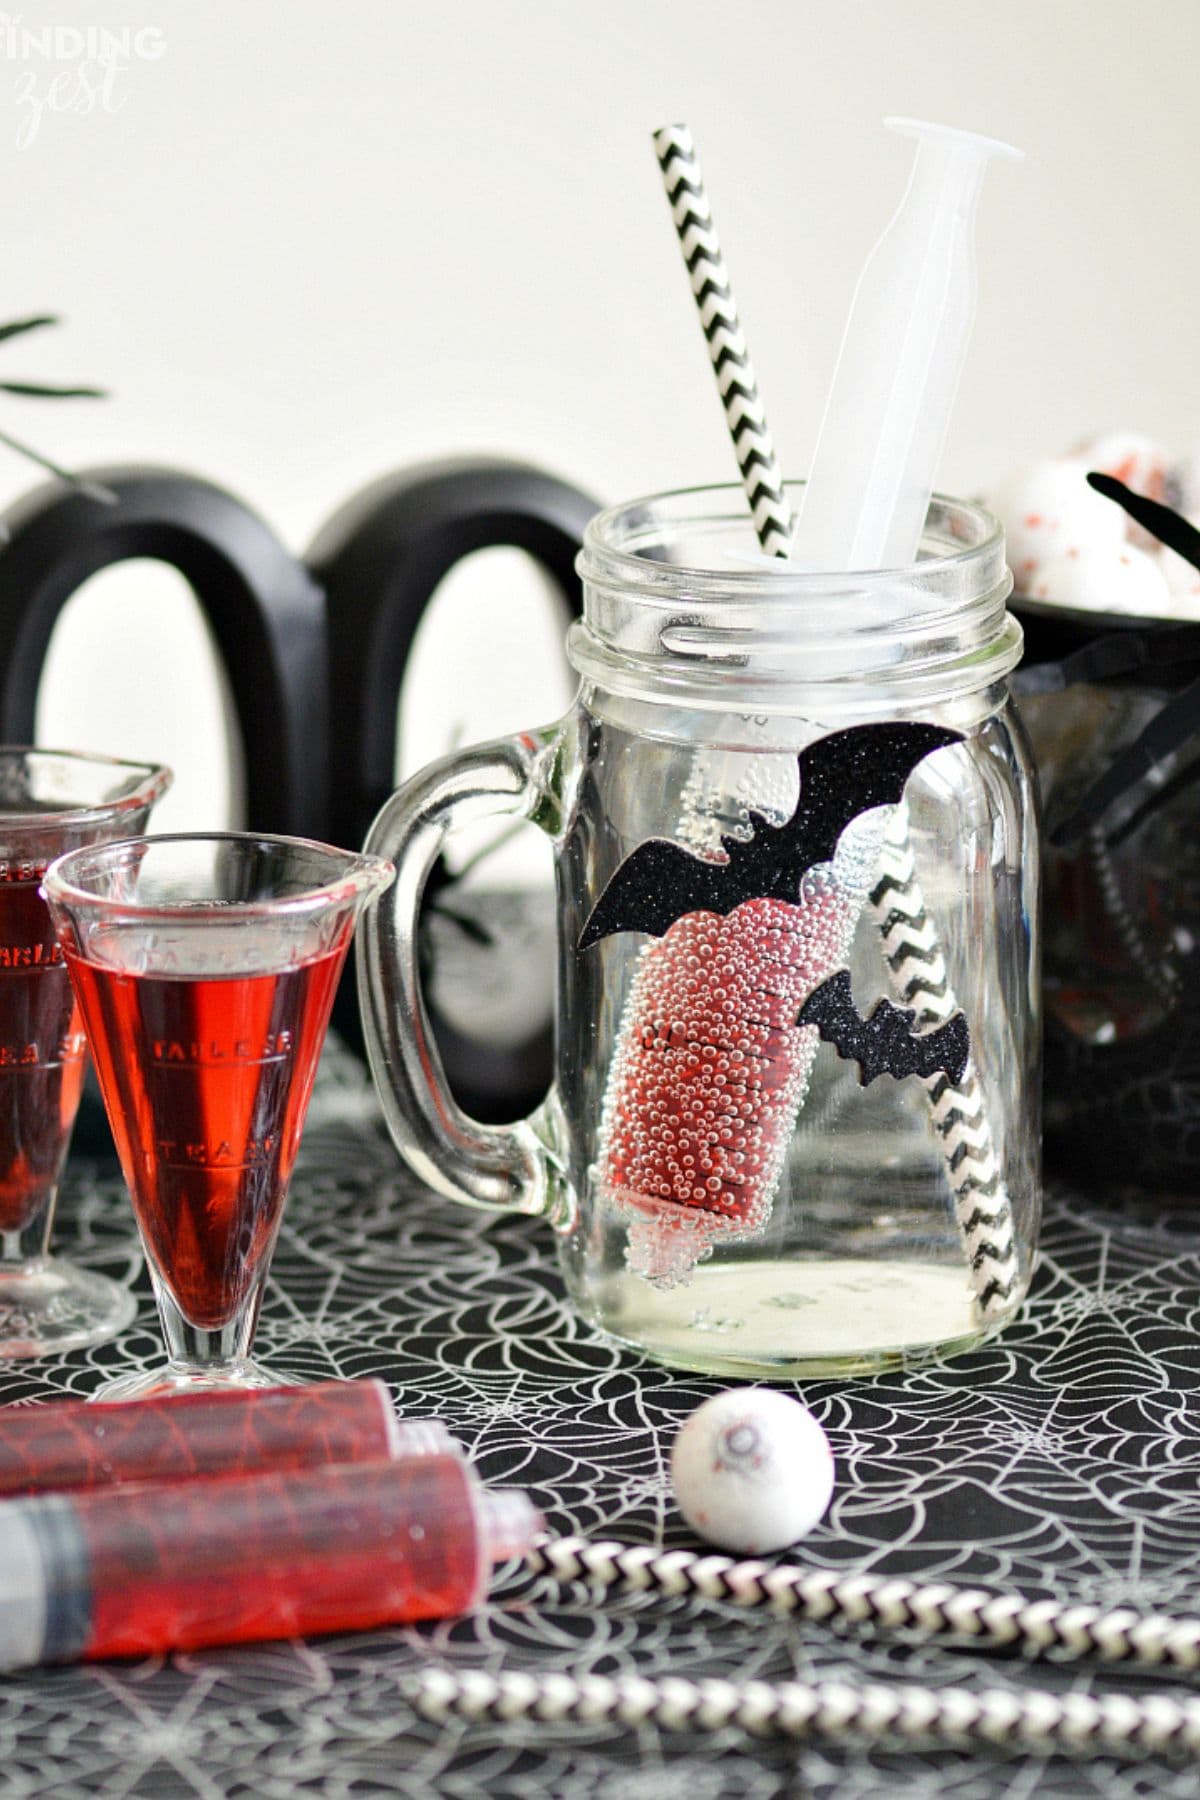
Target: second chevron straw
[{"x": 873, "y": 475}]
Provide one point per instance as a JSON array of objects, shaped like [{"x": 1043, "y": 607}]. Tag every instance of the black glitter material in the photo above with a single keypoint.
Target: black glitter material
[
  {"x": 841, "y": 776},
  {"x": 885, "y": 1043}
]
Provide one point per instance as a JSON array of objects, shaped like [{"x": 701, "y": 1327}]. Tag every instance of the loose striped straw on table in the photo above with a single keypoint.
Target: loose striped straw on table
[
  {"x": 881, "y": 1715},
  {"x": 932, "y": 1609},
  {"x": 915, "y": 963},
  {"x": 909, "y": 1715}
]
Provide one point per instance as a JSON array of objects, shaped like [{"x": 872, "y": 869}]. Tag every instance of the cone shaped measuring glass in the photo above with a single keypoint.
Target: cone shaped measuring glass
[{"x": 206, "y": 968}]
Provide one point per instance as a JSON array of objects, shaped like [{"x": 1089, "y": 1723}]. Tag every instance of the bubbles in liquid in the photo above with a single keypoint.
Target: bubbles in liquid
[
  {"x": 723, "y": 789},
  {"x": 711, "y": 1069},
  {"x": 856, "y": 857}
]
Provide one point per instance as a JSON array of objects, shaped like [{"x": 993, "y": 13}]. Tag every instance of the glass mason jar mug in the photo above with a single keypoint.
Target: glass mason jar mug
[{"x": 795, "y": 1121}]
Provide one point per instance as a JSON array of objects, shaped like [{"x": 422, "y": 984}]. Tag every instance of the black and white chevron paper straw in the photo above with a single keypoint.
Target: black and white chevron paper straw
[
  {"x": 899, "y": 1715},
  {"x": 723, "y": 788},
  {"x": 920, "y": 980},
  {"x": 905, "y": 1714},
  {"x": 933, "y": 1609},
  {"x": 761, "y": 475}
]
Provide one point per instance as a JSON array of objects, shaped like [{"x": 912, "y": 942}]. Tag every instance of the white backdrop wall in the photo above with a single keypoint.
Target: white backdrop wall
[{"x": 304, "y": 243}]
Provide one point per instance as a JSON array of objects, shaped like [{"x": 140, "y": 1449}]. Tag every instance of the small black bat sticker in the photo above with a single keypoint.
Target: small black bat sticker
[
  {"x": 841, "y": 776},
  {"x": 885, "y": 1042}
]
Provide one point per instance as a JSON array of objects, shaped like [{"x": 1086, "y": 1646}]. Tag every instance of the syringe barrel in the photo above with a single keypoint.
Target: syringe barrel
[
  {"x": 898, "y": 369},
  {"x": 226, "y": 1431},
  {"x": 149, "y": 1568}
]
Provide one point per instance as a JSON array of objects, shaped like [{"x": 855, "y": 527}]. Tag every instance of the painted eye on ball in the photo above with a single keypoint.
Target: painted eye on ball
[{"x": 739, "y": 1450}]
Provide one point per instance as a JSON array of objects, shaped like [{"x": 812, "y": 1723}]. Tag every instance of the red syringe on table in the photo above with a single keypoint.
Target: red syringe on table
[{"x": 150, "y": 1567}]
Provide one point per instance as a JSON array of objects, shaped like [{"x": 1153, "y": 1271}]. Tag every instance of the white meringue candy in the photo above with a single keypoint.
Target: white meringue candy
[
  {"x": 1103, "y": 578},
  {"x": 1183, "y": 483},
  {"x": 752, "y": 1471},
  {"x": 1138, "y": 461},
  {"x": 1182, "y": 577},
  {"x": 1183, "y": 584},
  {"x": 1050, "y": 507},
  {"x": 1135, "y": 459}
]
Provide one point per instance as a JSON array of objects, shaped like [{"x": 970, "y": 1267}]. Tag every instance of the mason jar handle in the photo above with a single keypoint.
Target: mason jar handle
[{"x": 508, "y": 1167}]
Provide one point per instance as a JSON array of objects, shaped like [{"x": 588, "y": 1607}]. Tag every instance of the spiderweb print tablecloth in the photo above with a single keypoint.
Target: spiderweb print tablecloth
[{"x": 1062, "y": 1460}]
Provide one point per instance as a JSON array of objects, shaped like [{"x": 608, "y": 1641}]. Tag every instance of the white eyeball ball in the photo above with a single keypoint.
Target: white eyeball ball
[
  {"x": 1050, "y": 507},
  {"x": 752, "y": 1471},
  {"x": 1104, "y": 580}
]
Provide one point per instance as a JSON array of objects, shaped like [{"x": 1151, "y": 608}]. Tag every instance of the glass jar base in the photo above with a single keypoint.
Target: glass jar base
[
  {"x": 185, "y": 1378},
  {"x": 47, "y": 1306},
  {"x": 845, "y": 1316}
]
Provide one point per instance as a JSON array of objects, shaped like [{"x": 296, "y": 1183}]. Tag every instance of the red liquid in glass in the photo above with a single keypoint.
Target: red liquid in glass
[
  {"x": 206, "y": 1081},
  {"x": 42, "y": 1055}
]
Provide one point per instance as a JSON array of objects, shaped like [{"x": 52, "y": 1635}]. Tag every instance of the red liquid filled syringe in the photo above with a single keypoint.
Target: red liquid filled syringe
[
  {"x": 220, "y": 1432},
  {"x": 148, "y": 1568}
]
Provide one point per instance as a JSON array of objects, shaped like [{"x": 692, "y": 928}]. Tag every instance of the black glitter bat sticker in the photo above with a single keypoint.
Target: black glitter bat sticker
[
  {"x": 841, "y": 776},
  {"x": 885, "y": 1042}
]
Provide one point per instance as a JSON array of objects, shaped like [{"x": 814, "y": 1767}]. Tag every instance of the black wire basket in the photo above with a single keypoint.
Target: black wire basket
[{"x": 1112, "y": 707}]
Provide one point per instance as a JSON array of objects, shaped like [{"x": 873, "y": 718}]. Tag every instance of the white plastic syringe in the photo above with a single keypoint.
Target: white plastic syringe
[{"x": 898, "y": 369}]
